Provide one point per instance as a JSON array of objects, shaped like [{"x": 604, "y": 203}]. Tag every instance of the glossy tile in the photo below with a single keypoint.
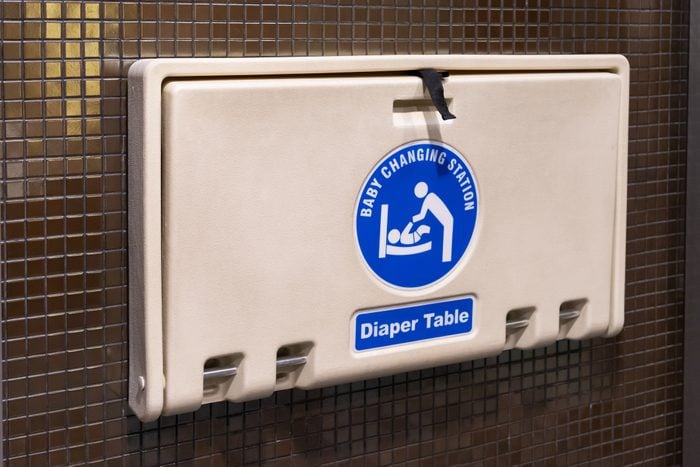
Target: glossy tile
[{"x": 64, "y": 259}]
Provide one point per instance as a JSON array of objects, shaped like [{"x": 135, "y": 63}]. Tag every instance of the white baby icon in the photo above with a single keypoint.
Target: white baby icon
[{"x": 408, "y": 236}]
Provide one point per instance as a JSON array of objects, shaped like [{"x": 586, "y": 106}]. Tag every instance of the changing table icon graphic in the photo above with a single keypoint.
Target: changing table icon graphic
[
  {"x": 416, "y": 214},
  {"x": 407, "y": 241}
]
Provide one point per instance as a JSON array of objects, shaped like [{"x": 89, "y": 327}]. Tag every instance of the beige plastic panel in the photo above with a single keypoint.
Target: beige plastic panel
[{"x": 253, "y": 190}]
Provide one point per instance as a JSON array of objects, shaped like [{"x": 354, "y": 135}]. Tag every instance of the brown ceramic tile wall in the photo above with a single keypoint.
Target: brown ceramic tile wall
[{"x": 614, "y": 402}]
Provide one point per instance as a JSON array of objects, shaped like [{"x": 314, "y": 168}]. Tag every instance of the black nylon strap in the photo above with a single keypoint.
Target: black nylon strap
[{"x": 432, "y": 80}]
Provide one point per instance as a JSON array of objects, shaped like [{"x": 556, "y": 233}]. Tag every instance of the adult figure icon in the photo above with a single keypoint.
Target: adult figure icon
[{"x": 433, "y": 204}]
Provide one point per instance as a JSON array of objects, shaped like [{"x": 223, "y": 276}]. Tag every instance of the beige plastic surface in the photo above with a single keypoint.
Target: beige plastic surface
[{"x": 242, "y": 194}]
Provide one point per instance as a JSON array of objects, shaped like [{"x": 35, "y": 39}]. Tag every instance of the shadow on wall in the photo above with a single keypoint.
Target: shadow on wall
[{"x": 394, "y": 414}]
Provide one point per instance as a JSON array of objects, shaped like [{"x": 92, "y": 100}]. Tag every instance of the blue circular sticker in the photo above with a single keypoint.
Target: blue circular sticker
[{"x": 416, "y": 213}]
